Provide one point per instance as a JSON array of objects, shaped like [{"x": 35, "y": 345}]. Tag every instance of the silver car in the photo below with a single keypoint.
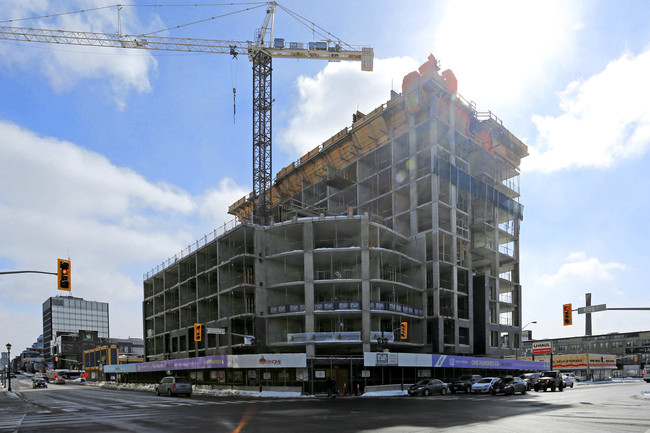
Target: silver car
[
  {"x": 484, "y": 385},
  {"x": 174, "y": 385}
]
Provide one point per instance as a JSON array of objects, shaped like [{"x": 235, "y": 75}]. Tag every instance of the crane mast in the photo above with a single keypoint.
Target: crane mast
[{"x": 259, "y": 52}]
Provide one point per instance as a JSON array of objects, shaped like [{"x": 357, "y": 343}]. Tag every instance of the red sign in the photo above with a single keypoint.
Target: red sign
[
  {"x": 542, "y": 347},
  {"x": 84, "y": 375}
]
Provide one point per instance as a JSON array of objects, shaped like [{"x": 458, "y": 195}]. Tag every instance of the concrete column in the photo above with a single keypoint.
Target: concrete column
[
  {"x": 365, "y": 283},
  {"x": 308, "y": 247},
  {"x": 261, "y": 298}
]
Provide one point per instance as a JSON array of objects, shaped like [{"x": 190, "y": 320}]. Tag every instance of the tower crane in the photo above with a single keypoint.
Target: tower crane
[{"x": 260, "y": 51}]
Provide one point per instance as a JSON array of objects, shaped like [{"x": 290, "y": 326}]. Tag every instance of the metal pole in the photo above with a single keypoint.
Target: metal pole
[
  {"x": 588, "y": 321},
  {"x": 9, "y": 366}
]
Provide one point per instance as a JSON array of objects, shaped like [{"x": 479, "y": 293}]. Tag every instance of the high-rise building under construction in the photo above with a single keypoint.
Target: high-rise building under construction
[{"x": 405, "y": 224}]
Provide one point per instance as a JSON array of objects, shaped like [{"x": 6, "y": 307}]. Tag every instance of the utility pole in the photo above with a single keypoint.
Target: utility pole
[{"x": 588, "y": 320}]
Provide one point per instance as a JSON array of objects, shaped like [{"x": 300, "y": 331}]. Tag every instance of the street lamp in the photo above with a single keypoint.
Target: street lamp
[
  {"x": 9, "y": 363},
  {"x": 522, "y": 330}
]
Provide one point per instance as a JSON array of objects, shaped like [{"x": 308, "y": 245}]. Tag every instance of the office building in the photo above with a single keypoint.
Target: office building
[{"x": 68, "y": 314}]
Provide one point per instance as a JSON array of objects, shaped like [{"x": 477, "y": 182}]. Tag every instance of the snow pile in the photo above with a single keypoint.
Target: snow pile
[
  {"x": 197, "y": 390},
  {"x": 384, "y": 393}
]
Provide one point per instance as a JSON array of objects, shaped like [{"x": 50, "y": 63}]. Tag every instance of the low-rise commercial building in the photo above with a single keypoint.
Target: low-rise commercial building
[{"x": 616, "y": 354}]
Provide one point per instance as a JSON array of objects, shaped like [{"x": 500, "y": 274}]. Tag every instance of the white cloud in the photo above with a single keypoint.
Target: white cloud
[
  {"x": 605, "y": 119},
  {"x": 328, "y": 100},
  {"x": 59, "y": 200},
  {"x": 582, "y": 269},
  {"x": 502, "y": 50},
  {"x": 65, "y": 65}
]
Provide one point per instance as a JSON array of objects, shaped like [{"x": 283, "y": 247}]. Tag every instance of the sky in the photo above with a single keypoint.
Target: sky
[{"x": 119, "y": 159}]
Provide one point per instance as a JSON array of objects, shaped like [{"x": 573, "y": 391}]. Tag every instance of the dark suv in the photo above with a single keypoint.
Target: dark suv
[
  {"x": 531, "y": 379},
  {"x": 463, "y": 383}
]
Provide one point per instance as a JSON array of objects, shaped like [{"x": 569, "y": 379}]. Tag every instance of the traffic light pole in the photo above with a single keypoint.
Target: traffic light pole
[{"x": 28, "y": 272}]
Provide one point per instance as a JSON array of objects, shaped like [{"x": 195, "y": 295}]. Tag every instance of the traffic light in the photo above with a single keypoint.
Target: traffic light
[
  {"x": 197, "y": 331},
  {"x": 568, "y": 314},
  {"x": 403, "y": 331},
  {"x": 63, "y": 274}
]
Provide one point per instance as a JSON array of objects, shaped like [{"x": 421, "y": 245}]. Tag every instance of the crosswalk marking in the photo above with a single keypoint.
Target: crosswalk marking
[{"x": 11, "y": 422}]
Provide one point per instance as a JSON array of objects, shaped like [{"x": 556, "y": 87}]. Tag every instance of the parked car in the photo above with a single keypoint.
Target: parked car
[
  {"x": 568, "y": 379},
  {"x": 509, "y": 385},
  {"x": 463, "y": 383},
  {"x": 39, "y": 382},
  {"x": 428, "y": 387},
  {"x": 530, "y": 379},
  {"x": 174, "y": 385},
  {"x": 484, "y": 385}
]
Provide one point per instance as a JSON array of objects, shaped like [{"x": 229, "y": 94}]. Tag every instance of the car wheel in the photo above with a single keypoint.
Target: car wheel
[
  {"x": 468, "y": 389},
  {"x": 169, "y": 393},
  {"x": 453, "y": 390},
  {"x": 560, "y": 388},
  {"x": 523, "y": 391},
  {"x": 157, "y": 391},
  {"x": 571, "y": 385},
  {"x": 536, "y": 388},
  {"x": 443, "y": 391},
  {"x": 426, "y": 393}
]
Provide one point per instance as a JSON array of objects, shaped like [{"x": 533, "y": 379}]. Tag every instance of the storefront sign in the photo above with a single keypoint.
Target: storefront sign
[
  {"x": 602, "y": 361},
  {"x": 568, "y": 362},
  {"x": 540, "y": 347}
]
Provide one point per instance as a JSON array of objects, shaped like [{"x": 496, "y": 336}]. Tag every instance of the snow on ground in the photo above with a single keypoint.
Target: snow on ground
[{"x": 198, "y": 390}]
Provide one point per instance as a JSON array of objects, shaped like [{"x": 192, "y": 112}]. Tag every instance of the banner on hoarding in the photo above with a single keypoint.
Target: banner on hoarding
[
  {"x": 496, "y": 363},
  {"x": 218, "y": 361},
  {"x": 376, "y": 359}
]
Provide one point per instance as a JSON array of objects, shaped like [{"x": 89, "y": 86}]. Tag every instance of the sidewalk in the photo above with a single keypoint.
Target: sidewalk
[{"x": 8, "y": 399}]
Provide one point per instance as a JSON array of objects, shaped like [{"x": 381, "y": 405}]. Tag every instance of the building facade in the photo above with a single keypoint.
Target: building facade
[
  {"x": 630, "y": 351},
  {"x": 411, "y": 215},
  {"x": 68, "y": 314}
]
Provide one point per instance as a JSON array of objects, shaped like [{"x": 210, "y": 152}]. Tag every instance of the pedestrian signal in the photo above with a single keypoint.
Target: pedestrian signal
[
  {"x": 403, "y": 331},
  {"x": 63, "y": 275},
  {"x": 568, "y": 314}
]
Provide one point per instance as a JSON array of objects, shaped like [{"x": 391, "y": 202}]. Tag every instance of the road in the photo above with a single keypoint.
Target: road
[{"x": 75, "y": 408}]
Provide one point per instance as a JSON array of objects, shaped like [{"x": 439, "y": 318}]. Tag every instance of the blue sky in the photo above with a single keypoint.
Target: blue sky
[{"x": 119, "y": 159}]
